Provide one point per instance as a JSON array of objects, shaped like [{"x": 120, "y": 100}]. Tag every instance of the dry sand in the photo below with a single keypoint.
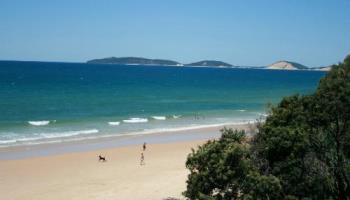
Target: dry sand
[{"x": 80, "y": 176}]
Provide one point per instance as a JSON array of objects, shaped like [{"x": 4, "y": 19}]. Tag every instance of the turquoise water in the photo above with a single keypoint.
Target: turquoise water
[{"x": 44, "y": 102}]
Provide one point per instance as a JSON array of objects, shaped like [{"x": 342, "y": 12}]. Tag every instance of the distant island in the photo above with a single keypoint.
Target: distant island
[
  {"x": 210, "y": 63},
  {"x": 287, "y": 65},
  {"x": 327, "y": 68},
  {"x": 280, "y": 65},
  {"x": 134, "y": 61},
  {"x": 161, "y": 62}
]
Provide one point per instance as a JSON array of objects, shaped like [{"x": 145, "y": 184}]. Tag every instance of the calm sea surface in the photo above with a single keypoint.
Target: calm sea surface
[{"x": 44, "y": 102}]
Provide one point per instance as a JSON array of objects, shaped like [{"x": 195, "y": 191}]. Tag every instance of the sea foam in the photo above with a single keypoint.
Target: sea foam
[
  {"x": 135, "y": 120},
  {"x": 114, "y": 123},
  {"x": 44, "y": 137},
  {"x": 159, "y": 117},
  {"x": 39, "y": 123},
  {"x": 7, "y": 141},
  {"x": 68, "y": 133}
]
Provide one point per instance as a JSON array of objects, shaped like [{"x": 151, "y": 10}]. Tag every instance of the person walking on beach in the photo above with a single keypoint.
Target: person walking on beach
[
  {"x": 142, "y": 160},
  {"x": 144, "y": 146}
]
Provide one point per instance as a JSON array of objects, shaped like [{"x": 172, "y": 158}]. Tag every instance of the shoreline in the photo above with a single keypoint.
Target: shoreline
[
  {"x": 41, "y": 133},
  {"x": 203, "y": 132},
  {"x": 72, "y": 171}
]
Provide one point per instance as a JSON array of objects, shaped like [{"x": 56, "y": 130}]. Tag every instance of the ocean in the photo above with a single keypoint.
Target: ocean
[{"x": 47, "y": 102}]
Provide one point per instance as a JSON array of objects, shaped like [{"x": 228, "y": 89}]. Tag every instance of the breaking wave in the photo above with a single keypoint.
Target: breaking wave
[
  {"x": 39, "y": 123},
  {"x": 136, "y": 120}
]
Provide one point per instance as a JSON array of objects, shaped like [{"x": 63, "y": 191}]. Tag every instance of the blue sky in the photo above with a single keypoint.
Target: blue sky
[{"x": 241, "y": 32}]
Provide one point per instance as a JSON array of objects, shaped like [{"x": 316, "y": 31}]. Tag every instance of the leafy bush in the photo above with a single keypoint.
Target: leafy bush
[{"x": 301, "y": 151}]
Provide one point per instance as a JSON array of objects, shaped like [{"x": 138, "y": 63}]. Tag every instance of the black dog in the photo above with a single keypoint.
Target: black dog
[{"x": 100, "y": 158}]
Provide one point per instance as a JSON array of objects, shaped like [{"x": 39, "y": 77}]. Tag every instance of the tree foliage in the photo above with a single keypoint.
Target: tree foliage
[
  {"x": 223, "y": 169},
  {"x": 301, "y": 151}
]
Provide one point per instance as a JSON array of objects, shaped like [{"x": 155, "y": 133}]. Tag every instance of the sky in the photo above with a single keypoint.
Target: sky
[{"x": 241, "y": 32}]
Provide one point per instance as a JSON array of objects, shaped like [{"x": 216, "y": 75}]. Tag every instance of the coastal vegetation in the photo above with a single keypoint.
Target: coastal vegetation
[
  {"x": 133, "y": 61},
  {"x": 210, "y": 63},
  {"x": 301, "y": 151}
]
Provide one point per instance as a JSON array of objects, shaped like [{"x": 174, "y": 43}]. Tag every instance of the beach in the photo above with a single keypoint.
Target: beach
[
  {"x": 56, "y": 118},
  {"x": 79, "y": 175}
]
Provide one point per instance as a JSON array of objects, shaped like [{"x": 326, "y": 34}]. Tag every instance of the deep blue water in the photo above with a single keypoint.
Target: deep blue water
[{"x": 78, "y": 100}]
